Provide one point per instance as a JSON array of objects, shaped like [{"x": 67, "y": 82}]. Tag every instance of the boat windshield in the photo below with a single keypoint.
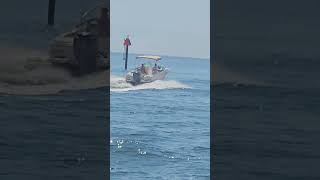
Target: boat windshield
[
  {"x": 147, "y": 64},
  {"x": 149, "y": 68}
]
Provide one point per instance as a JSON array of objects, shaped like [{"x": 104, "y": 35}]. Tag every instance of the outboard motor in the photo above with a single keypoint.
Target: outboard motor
[
  {"x": 85, "y": 52},
  {"x": 136, "y": 78}
]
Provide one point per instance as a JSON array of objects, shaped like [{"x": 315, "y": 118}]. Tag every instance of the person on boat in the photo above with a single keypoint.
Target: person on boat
[
  {"x": 143, "y": 70},
  {"x": 155, "y": 68}
]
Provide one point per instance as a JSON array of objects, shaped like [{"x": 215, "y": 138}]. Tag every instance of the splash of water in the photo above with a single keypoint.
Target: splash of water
[
  {"x": 118, "y": 84},
  {"x": 27, "y": 72},
  {"x": 222, "y": 75}
]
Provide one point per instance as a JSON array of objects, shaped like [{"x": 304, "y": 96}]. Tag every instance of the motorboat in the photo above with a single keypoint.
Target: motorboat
[
  {"x": 147, "y": 72},
  {"x": 64, "y": 51}
]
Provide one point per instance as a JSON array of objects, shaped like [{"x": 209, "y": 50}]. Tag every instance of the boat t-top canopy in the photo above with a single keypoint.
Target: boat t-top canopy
[{"x": 157, "y": 58}]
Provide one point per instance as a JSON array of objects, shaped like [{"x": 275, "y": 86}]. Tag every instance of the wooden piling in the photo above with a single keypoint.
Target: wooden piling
[{"x": 51, "y": 12}]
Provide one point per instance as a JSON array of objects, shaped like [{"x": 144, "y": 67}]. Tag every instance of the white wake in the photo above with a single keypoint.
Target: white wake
[
  {"x": 118, "y": 84},
  {"x": 26, "y": 71}
]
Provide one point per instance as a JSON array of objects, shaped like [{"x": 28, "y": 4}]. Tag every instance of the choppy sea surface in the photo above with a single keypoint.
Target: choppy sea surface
[
  {"x": 161, "y": 130},
  {"x": 266, "y": 118},
  {"x": 57, "y": 136}
]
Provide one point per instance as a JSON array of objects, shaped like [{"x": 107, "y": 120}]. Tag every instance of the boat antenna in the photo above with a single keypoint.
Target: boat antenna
[{"x": 126, "y": 45}]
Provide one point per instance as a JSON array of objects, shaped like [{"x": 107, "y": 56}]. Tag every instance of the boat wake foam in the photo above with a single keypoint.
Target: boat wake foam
[
  {"x": 224, "y": 76},
  {"x": 118, "y": 84},
  {"x": 26, "y": 72}
]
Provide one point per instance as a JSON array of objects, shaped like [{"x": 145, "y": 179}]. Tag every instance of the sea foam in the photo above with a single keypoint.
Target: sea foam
[{"x": 118, "y": 84}]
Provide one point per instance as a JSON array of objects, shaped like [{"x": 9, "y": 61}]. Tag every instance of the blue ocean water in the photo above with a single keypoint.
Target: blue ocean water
[
  {"x": 58, "y": 136},
  {"x": 161, "y": 130},
  {"x": 266, "y": 119}
]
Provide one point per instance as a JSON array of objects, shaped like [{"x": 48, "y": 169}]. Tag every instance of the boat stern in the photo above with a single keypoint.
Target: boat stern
[{"x": 133, "y": 78}]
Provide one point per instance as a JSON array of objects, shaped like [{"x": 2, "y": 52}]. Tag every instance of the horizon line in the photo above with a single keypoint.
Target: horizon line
[{"x": 207, "y": 58}]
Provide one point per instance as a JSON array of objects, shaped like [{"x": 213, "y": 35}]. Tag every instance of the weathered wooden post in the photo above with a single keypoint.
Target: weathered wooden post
[{"x": 51, "y": 12}]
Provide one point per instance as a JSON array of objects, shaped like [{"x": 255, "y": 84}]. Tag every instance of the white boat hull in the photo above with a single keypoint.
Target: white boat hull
[{"x": 138, "y": 78}]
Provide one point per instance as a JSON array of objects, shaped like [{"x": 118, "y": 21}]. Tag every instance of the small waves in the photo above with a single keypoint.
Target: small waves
[
  {"x": 222, "y": 76},
  {"x": 118, "y": 84},
  {"x": 119, "y": 145}
]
